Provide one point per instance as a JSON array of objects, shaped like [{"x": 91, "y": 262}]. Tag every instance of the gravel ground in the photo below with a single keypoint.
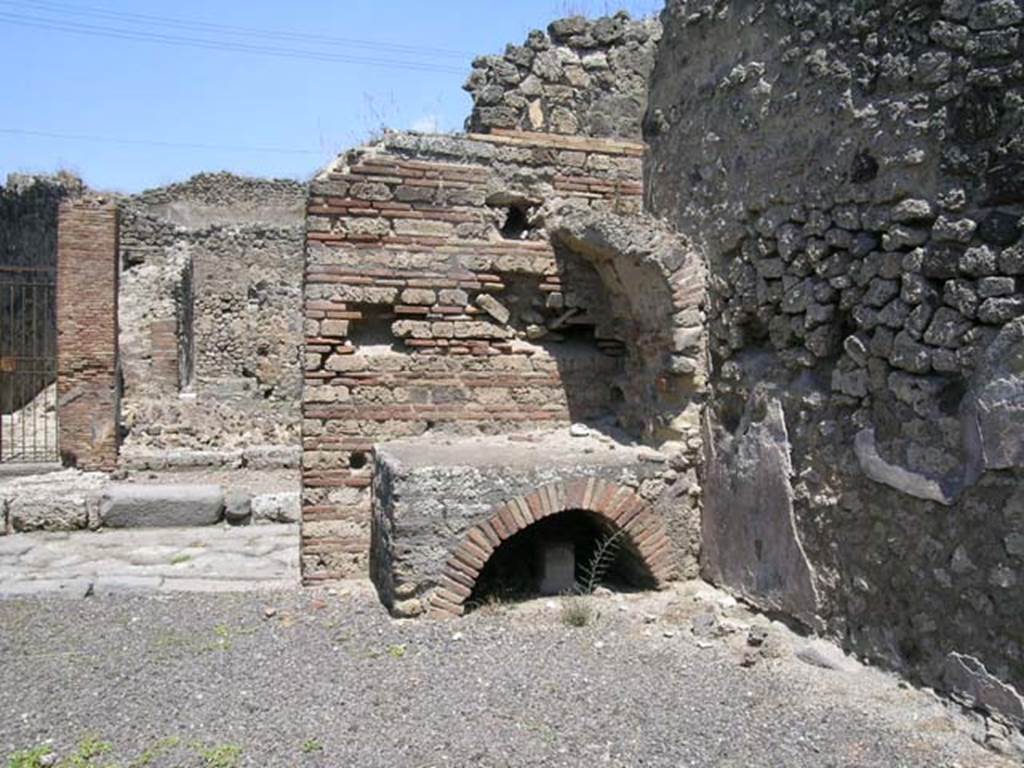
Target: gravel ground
[{"x": 326, "y": 678}]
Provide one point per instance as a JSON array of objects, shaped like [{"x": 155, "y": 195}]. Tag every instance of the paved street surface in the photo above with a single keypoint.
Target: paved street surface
[
  {"x": 214, "y": 558},
  {"x": 326, "y": 678}
]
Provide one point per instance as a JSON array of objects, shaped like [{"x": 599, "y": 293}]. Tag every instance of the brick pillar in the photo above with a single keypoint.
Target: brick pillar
[{"x": 87, "y": 386}]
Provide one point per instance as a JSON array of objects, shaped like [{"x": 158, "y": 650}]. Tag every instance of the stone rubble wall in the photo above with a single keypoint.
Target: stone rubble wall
[
  {"x": 436, "y": 300},
  {"x": 854, "y": 174},
  {"x": 211, "y": 322},
  {"x": 28, "y": 218},
  {"x": 28, "y": 238},
  {"x": 586, "y": 77}
]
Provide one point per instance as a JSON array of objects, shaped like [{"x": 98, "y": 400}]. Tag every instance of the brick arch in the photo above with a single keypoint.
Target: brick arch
[{"x": 613, "y": 503}]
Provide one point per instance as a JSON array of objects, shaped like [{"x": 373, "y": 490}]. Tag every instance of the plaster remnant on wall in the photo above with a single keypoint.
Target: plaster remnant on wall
[
  {"x": 975, "y": 686},
  {"x": 903, "y": 480},
  {"x": 749, "y": 536},
  {"x": 994, "y": 407}
]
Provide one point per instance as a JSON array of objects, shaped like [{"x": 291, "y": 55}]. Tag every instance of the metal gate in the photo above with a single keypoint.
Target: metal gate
[{"x": 28, "y": 364}]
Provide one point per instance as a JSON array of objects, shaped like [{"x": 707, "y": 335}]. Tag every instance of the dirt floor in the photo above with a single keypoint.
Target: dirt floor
[{"x": 326, "y": 678}]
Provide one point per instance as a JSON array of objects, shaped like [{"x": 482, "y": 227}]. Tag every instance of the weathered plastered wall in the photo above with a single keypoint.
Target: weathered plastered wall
[
  {"x": 854, "y": 173},
  {"x": 468, "y": 285}
]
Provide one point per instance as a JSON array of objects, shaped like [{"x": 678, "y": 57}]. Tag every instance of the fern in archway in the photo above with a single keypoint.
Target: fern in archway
[{"x": 600, "y": 562}]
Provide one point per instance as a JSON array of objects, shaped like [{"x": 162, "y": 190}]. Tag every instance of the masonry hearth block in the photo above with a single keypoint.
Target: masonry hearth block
[{"x": 443, "y": 508}]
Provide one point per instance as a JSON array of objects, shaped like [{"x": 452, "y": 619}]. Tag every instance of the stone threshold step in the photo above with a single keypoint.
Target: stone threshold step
[
  {"x": 127, "y": 505},
  {"x": 16, "y": 469},
  {"x": 140, "y": 505}
]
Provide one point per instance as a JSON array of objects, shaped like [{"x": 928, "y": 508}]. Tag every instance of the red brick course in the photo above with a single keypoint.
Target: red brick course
[
  {"x": 384, "y": 232},
  {"x": 645, "y": 533},
  {"x": 87, "y": 282}
]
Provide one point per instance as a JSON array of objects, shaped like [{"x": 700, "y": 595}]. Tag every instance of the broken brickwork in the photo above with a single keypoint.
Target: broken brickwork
[{"x": 467, "y": 285}]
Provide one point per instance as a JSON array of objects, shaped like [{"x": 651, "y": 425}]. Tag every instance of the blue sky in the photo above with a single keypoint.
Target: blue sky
[{"x": 110, "y": 89}]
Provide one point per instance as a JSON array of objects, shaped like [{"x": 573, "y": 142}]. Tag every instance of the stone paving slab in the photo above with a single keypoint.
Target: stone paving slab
[{"x": 208, "y": 559}]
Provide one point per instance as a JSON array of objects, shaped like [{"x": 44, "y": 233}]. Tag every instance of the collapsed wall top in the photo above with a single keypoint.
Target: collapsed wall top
[{"x": 581, "y": 77}]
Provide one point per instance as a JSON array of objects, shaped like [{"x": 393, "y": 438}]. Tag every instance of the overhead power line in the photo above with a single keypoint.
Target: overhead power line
[
  {"x": 217, "y": 45},
  {"x": 156, "y": 143},
  {"x": 266, "y": 34}
]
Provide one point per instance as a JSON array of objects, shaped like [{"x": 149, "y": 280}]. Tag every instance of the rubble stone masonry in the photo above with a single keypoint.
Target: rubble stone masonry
[
  {"x": 585, "y": 77},
  {"x": 854, "y": 175},
  {"x": 211, "y": 322}
]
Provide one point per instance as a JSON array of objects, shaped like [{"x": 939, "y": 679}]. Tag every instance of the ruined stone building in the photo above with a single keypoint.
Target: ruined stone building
[
  {"x": 211, "y": 322},
  {"x": 743, "y": 287}
]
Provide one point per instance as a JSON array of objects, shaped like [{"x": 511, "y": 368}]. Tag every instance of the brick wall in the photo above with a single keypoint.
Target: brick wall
[
  {"x": 432, "y": 303},
  {"x": 87, "y": 278}
]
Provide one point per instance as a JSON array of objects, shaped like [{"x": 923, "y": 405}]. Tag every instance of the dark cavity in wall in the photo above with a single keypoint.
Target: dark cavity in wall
[
  {"x": 557, "y": 555},
  {"x": 373, "y": 328},
  {"x": 515, "y": 215},
  {"x": 185, "y": 306},
  {"x": 517, "y": 223},
  {"x": 28, "y": 258},
  {"x": 583, "y": 334}
]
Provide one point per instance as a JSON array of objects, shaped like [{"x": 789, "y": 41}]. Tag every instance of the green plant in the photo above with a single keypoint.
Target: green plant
[
  {"x": 222, "y": 642},
  {"x": 87, "y": 754},
  {"x": 576, "y": 612},
  {"x": 312, "y": 745},
  {"x": 28, "y": 758},
  {"x": 604, "y": 555},
  {"x": 195, "y": 642},
  {"x": 397, "y": 651},
  {"x": 219, "y": 755},
  {"x": 490, "y": 604},
  {"x": 151, "y": 753},
  {"x": 181, "y": 557}
]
